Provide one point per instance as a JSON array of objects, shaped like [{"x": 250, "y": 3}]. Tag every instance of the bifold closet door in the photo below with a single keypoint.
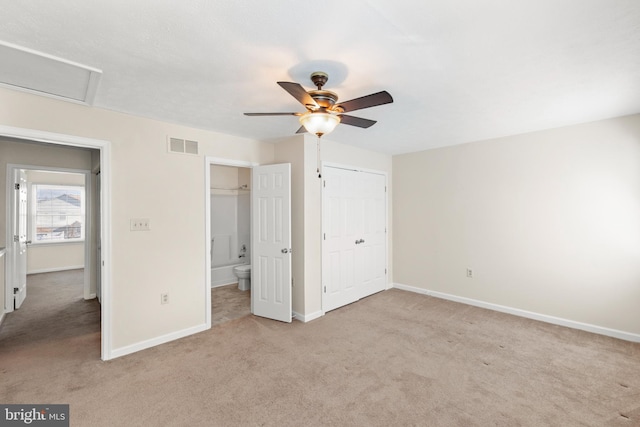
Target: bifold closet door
[
  {"x": 354, "y": 236},
  {"x": 371, "y": 253}
]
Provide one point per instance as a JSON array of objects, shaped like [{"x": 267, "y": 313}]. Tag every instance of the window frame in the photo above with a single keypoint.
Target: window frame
[{"x": 32, "y": 207}]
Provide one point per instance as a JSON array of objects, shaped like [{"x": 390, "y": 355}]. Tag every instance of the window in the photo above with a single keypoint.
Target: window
[{"x": 57, "y": 213}]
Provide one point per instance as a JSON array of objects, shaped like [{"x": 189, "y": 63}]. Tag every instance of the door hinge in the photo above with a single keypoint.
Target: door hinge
[
  {"x": 16, "y": 239},
  {"x": 324, "y": 236},
  {"x": 385, "y": 271},
  {"x": 16, "y": 186},
  {"x": 292, "y": 282},
  {"x": 324, "y": 182},
  {"x": 15, "y": 290},
  {"x": 325, "y": 289}
]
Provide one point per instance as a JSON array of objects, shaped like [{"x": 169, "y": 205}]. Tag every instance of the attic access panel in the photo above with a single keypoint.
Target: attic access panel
[{"x": 36, "y": 72}]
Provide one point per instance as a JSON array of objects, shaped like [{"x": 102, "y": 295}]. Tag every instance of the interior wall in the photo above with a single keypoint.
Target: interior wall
[
  {"x": 224, "y": 177},
  {"x": 59, "y": 256},
  {"x": 549, "y": 222},
  {"x": 147, "y": 182},
  {"x": 291, "y": 150}
]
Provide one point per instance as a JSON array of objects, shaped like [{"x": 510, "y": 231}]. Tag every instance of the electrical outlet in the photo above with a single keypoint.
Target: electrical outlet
[
  {"x": 469, "y": 273},
  {"x": 140, "y": 224},
  {"x": 164, "y": 298}
]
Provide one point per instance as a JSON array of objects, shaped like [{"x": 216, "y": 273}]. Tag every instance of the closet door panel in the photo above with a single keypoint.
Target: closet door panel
[
  {"x": 339, "y": 249},
  {"x": 373, "y": 250}
]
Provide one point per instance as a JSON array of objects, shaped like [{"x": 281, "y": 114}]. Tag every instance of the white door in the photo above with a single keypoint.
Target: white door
[
  {"x": 354, "y": 245},
  {"x": 271, "y": 242},
  {"x": 372, "y": 249},
  {"x": 20, "y": 242},
  {"x": 340, "y": 207}
]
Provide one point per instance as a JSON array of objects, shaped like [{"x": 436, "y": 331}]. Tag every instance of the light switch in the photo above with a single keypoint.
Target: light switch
[{"x": 140, "y": 224}]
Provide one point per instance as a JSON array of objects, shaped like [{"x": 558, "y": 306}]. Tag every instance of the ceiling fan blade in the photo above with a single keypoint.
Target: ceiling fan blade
[
  {"x": 272, "y": 114},
  {"x": 301, "y": 130},
  {"x": 356, "y": 121},
  {"x": 299, "y": 93},
  {"x": 372, "y": 100}
]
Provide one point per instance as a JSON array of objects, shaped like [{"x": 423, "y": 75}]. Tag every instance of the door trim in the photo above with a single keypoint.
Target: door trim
[
  {"x": 208, "y": 161},
  {"x": 105, "y": 208}
]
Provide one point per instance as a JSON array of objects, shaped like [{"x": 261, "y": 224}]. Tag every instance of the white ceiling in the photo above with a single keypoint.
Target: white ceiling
[{"x": 459, "y": 70}]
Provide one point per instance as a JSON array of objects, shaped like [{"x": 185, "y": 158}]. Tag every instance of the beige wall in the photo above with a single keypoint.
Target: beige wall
[
  {"x": 224, "y": 177},
  {"x": 147, "y": 182},
  {"x": 56, "y": 257},
  {"x": 291, "y": 150},
  {"x": 548, "y": 221}
]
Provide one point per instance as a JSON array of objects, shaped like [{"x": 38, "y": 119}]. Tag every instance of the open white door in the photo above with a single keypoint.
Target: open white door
[
  {"x": 19, "y": 248},
  {"x": 271, "y": 242}
]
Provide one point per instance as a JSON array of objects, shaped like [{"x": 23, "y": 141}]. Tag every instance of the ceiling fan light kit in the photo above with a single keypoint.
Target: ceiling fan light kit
[
  {"x": 323, "y": 112},
  {"x": 319, "y": 123}
]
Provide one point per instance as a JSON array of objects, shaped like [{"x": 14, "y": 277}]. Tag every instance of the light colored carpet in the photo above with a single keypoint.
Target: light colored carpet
[{"x": 395, "y": 358}]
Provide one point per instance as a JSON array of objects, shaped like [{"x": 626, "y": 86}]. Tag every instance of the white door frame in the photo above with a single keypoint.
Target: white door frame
[
  {"x": 88, "y": 269},
  {"x": 105, "y": 209},
  {"x": 208, "y": 161}
]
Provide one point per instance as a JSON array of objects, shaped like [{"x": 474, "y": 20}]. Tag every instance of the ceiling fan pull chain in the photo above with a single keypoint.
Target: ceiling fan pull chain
[{"x": 318, "y": 147}]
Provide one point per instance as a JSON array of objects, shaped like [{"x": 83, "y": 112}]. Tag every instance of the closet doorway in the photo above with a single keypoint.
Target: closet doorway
[{"x": 354, "y": 232}]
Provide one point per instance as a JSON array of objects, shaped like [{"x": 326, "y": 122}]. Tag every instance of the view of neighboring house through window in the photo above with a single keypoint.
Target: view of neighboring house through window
[{"x": 57, "y": 213}]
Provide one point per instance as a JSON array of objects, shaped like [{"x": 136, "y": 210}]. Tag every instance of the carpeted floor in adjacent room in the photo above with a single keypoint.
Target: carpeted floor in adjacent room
[{"x": 395, "y": 358}]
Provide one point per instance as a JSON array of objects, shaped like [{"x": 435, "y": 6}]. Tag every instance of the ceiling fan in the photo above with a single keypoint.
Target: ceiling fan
[{"x": 323, "y": 114}]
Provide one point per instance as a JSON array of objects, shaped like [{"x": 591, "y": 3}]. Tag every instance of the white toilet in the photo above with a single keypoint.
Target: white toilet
[{"x": 243, "y": 273}]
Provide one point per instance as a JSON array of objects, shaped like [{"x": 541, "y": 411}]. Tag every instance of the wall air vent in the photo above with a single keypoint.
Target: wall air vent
[
  {"x": 183, "y": 146},
  {"x": 36, "y": 72}
]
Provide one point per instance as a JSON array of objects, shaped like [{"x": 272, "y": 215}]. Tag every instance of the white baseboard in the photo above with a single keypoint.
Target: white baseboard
[
  {"x": 226, "y": 283},
  {"x": 54, "y": 269},
  {"x": 627, "y": 336},
  {"x": 307, "y": 318},
  {"x": 2, "y": 315},
  {"x": 123, "y": 351},
  {"x": 90, "y": 296}
]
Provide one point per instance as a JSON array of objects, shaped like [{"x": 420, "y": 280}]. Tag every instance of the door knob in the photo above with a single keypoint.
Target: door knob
[
  {"x": 361, "y": 240},
  {"x": 286, "y": 251}
]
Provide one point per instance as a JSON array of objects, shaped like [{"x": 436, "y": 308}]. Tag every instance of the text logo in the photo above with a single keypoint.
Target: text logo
[{"x": 34, "y": 415}]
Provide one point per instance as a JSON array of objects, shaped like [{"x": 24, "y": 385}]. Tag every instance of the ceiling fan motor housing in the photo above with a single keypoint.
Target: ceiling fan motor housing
[
  {"x": 319, "y": 79},
  {"x": 324, "y": 98}
]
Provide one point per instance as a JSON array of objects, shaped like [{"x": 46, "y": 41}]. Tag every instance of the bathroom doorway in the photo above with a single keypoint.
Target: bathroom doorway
[{"x": 229, "y": 240}]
